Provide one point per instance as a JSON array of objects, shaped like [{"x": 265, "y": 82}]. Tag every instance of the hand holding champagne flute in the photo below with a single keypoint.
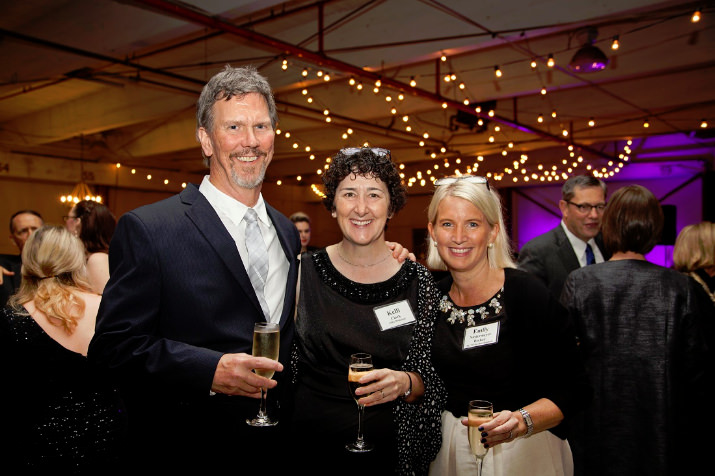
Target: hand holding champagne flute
[
  {"x": 480, "y": 412},
  {"x": 266, "y": 343},
  {"x": 359, "y": 364}
]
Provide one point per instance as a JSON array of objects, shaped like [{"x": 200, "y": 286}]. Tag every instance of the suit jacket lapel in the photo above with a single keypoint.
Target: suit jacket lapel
[
  {"x": 208, "y": 223},
  {"x": 566, "y": 252}
]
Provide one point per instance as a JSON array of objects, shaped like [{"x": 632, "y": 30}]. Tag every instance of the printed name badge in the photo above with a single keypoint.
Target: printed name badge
[
  {"x": 478, "y": 336},
  {"x": 393, "y": 315}
]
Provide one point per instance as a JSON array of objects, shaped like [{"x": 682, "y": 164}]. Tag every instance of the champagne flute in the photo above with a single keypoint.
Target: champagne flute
[
  {"x": 359, "y": 364},
  {"x": 266, "y": 342},
  {"x": 480, "y": 412}
]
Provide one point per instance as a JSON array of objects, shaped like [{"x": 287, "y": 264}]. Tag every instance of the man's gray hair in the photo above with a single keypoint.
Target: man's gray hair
[{"x": 229, "y": 83}]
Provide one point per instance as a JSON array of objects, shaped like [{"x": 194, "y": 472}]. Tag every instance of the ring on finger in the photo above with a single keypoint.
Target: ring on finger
[
  {"x": 382, "y": 393},
  {"x": 510, "y": 434}
]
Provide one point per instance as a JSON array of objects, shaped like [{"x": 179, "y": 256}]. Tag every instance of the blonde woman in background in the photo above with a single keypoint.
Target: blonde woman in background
[
  {"x": 61, "y": 414},
  {"x": 694, "y": 255}
]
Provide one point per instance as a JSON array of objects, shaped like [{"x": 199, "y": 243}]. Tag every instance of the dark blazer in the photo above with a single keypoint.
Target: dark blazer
[
  {"x": 551, "y": 258},
  {"x": 178, "y": 298},
  {"x": 10, "y": 284}
]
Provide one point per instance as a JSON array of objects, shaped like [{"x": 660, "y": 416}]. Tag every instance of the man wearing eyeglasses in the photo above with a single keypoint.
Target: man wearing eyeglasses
[{"x": 576, "y": 242}]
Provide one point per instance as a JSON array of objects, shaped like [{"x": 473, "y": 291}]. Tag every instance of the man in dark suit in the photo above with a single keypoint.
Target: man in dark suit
[
  {"x": 23, "y": 223},
  {"x": 175, "y": 325},
  {"x": 553, "y": 255}
]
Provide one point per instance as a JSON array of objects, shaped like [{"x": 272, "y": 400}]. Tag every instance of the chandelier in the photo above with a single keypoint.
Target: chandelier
[{"x": 81, "y": 191}]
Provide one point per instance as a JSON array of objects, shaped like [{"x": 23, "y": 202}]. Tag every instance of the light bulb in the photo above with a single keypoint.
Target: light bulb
[
  {"x": 497, "y": 72},
  {"x": 615, "y": 44}
]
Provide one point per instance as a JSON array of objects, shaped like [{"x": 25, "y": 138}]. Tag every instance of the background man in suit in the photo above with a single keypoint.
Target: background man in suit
[
  {"x": 23, "y": 223},
  {"x": 553, "y": 255},
  {"x": 176, "y": 319}
]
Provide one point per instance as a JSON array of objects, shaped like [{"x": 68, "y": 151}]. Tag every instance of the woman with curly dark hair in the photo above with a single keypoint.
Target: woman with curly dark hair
[
  {"x": 94, "y": 224},
  {"x": 355, "y": 297}
]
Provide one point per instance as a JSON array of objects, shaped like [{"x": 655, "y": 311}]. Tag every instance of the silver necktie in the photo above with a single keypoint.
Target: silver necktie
[{"x": 257, "y": 259}]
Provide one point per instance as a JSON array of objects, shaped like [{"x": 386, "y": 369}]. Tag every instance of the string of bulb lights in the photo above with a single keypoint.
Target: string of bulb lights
[{"x": 518, "y": 171}]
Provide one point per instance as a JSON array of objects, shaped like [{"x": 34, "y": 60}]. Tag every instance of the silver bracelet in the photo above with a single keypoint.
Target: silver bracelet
[{"x": 529, "y": 424}]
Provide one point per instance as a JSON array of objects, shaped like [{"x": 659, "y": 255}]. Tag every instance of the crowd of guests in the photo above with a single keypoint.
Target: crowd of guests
[{"x": 133, "y": 347}]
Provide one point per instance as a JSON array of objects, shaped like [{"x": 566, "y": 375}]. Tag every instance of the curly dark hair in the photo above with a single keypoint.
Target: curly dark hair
[{"x": 367, "y": 163}]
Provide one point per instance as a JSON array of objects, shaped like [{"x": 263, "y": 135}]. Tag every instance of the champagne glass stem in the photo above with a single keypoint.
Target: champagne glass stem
[
  {"x": 262, "y": 410},
  {"x": 479, "y": 466},
  {"x": 361, "y": 412}
]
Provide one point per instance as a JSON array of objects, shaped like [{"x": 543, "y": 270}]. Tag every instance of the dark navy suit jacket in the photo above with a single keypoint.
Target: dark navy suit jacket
[
  {"x": 10, "y": 284},
  {"x": 551, "y": 257},
  {"x": 178, "y": 298}
]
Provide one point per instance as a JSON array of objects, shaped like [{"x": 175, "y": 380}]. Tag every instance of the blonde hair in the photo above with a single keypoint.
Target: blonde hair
[
  {"x": 53, "y": 269},
  {"x": 487, "y": 200},
  {"x": 695, "y": 247}
]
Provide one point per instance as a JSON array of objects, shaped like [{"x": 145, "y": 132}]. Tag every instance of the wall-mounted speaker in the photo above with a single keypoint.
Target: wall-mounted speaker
[{"x": 669, "y": 234}]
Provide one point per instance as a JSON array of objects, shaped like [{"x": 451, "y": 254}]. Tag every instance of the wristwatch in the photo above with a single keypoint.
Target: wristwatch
[
  {"x": 529, "y": 423},
  {"x": 409, "y": 390}
]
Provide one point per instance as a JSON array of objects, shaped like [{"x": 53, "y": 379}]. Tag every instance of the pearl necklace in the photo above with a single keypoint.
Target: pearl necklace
[
  {"x": 340, "y": 253},
  {"x": 460, "y": 315}
]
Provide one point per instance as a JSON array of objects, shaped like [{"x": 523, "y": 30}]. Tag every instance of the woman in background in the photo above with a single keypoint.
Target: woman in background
[
  {"x": 94, "y": 224},
  {"x": 501, "y": 336},
  {"x": 638, "y": 325},
  {"x": 62, "y": 416},
  {"x": 694, "y": 255},
  {"x": 302, "y": 223}
]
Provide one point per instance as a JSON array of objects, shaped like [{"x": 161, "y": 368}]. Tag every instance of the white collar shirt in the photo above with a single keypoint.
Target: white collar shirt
[
  {"x": 579, "y": 246},
  {"x": 231, "y": 213}
]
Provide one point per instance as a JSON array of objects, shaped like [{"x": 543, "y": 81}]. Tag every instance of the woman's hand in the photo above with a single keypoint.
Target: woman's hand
[
  {"x": 505, "y": 427},
  {"x": 385, "y": 385}
]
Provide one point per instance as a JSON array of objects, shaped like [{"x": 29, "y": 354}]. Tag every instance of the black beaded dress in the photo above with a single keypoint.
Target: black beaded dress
[
  {"x": 335, "y": 319},
  {"x": 60, "y": 416}
]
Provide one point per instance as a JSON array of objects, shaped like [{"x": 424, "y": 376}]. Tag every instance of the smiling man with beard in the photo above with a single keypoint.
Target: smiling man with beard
[{"x": 175, "y": 327}]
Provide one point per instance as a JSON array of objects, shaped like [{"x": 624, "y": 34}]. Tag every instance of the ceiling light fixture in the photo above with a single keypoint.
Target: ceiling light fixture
[{"x": 588, "y": 58}]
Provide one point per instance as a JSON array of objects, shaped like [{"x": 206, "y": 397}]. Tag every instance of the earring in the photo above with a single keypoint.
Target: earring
[
  {"x": 490, "y": 245},
  {"x": 434, "y": 243},
  {"x": 335, "y": 215}
]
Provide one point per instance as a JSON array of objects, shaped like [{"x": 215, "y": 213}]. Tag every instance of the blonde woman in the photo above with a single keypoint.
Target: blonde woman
[
  {"x": 61, "y": 414},
  {"x": 500, "y": 336}
]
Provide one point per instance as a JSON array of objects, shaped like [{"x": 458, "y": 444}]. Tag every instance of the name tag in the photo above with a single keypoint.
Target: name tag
[
  {"x": 396, "y": 314},
  {"x": 478, "y": 336}
]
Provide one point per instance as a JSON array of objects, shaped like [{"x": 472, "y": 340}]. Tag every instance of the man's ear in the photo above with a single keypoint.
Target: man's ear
[{"x": 206, "y": 144}]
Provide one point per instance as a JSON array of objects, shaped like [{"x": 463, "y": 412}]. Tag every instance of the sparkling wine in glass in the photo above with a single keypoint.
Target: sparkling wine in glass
[
  {"x": 359, "y": 364},
  {"x": 480, "y": 412},
  {"x": 266, "y": 342}
]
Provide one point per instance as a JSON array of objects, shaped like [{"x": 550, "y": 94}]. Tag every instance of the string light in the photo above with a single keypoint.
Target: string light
[
  {"x": 550, "y": 62},
  {"x": 615, "y": 45},
  {"x": 533, "y": 64},
  {"x": 696, "y": 16},
  {"x": 703, "y": 124},
  {"x": 497, "y": 72},
  {"x": 591, "y": 122}
]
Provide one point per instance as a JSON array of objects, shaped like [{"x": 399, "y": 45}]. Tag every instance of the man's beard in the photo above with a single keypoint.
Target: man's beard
[{"x": 249, "y": 183}]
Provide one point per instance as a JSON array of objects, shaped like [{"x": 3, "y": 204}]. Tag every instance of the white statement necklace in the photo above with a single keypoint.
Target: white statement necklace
[{"x": 491, "y": 309}]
